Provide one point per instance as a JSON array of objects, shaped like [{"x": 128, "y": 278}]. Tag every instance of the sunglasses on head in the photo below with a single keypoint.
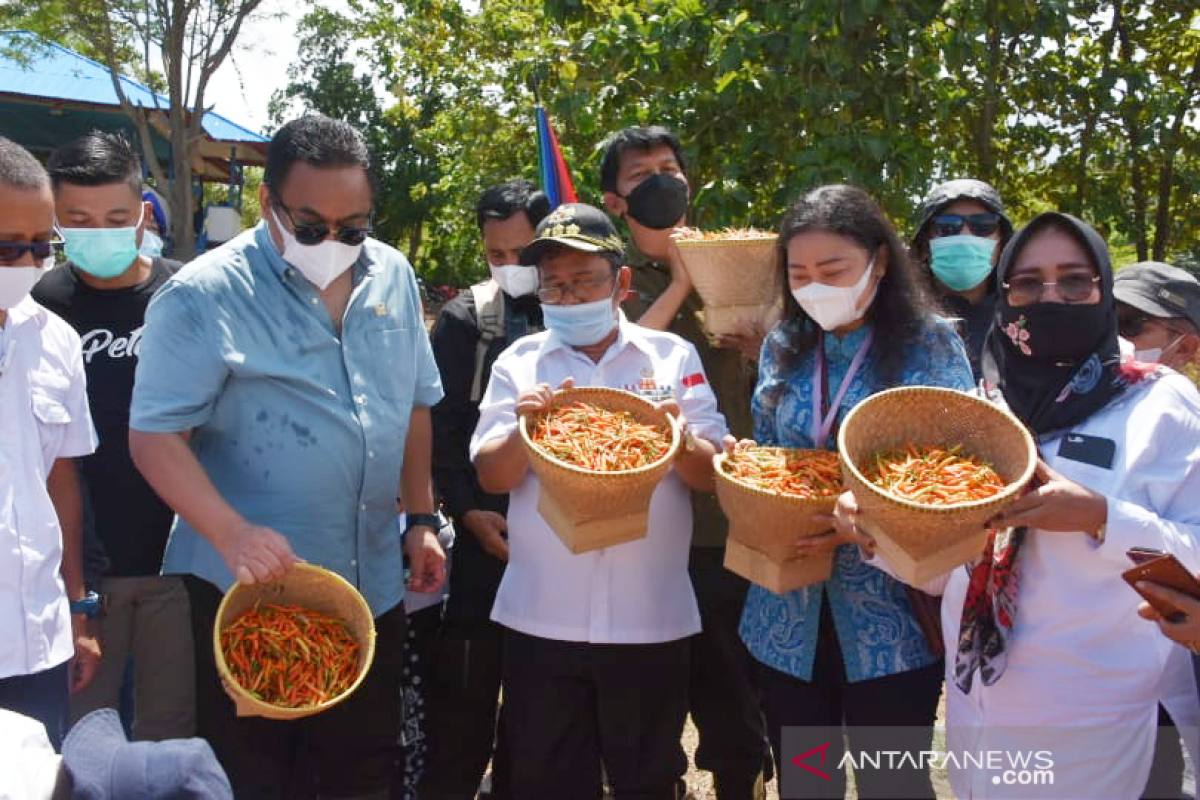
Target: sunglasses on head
[
  {"x": 11, "y": 252},
  {"x": 979, "y": 224},
  {"x": 312, "y": 234}
]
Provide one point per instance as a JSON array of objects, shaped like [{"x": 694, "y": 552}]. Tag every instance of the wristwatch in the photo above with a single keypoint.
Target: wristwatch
[
  {"x": 89, "y": 606},
  {"x": 430, "y": 521}
]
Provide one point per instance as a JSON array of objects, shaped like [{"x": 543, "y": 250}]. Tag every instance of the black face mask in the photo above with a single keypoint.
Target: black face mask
[
  {"x": 658, "y": 202},
  {"x": 1061, "y": 333}
]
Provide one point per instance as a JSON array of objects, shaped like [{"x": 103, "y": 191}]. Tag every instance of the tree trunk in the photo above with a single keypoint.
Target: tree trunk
[
  {"x": 1097, "y": 103},
  {"x": 985, "y": 132},
  {"x": 1166, "y": 172},
  {"x": 1133, "y": 133}
]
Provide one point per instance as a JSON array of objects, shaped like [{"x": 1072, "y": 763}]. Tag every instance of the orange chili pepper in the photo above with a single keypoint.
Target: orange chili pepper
[
  {"x": 934, "y": 475},
  {"x": 597, "y": 439},
  {"x": 786, "y": 472},
  {"x": 290, "y": 656}
]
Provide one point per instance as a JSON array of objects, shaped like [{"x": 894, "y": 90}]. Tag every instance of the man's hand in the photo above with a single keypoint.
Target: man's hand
[
  {"x": 426, "y": 560},
  {"x": 678, "y": 271},
  {"x": 1185, "y": 631},
  {"x": 1057, "y": 504},
  {"x": 86, "y": 662},
  {"x": 539, "y": 397},
  {"x": 256, "y": 554},
  {"x": 489, "y": 528}
]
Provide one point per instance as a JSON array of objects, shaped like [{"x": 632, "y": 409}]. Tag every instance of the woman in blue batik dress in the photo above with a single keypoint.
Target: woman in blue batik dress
[{"x": 851, "y": 651}]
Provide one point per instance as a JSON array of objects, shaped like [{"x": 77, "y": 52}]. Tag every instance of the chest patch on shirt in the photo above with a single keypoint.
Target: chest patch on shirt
[
  {"x": 695, "y": 379},
  {"x": 649, "y": 388},
  {"x": 1094, "y": 450}
]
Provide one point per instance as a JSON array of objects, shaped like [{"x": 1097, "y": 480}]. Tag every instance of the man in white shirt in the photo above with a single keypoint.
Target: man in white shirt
[
  {"x": 44, "y": 423},
  {"x": 594, "y": 643}
]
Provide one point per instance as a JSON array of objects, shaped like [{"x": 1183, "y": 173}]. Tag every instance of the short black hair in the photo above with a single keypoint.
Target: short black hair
[
  {"x": 95, "y": 159},
  {"x": 18, "y": 167},
  {"x": 505, "y": 199},
  {"x": 318, "y": 141},
  {"x": 641, "y": 138}
]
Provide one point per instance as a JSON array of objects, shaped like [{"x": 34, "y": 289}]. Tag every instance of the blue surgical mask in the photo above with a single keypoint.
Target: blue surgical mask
[
  {"x": 961, "y": 262},
  {"x": 581, "y": 324},
  {"x": 102, "y": 252},
  {"x": 152, "y": 244}
]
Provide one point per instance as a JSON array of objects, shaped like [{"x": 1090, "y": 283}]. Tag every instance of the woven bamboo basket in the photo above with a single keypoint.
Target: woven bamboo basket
[
  {"x": 763, "y": 528},
  {"x": 302, "y": 585},
  {"x": 735, "y": 278},
  {"x": 919, "y": 541},
  {"x": 591, "y": 510}
]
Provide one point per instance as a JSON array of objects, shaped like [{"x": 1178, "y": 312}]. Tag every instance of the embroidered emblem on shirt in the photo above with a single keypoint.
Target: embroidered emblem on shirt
[{"x": 695, "y": 379}]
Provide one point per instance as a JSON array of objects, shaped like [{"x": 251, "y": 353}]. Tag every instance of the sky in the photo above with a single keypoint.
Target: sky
[{"x": 242, "y": 87}]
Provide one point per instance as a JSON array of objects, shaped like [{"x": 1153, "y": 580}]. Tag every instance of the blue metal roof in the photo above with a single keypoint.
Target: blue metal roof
[{"x": 56, "y": 73}]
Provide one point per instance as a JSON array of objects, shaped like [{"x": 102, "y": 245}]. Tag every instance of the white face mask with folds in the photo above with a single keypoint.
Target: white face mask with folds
[
  {"x": 831, "y": 307},
  {"x": 515, "y": 280},
  {"x": 320, "y": 263},
  {"x": 17, "y": 282}
]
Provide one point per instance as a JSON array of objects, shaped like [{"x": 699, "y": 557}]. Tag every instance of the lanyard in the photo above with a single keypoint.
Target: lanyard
[{"x": 823, "y": 419}]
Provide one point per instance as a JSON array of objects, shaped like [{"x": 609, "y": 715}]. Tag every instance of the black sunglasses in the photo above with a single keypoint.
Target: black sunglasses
[
  {"x": 1131, "y": 322},
  {"x": 11, "y": 252},
  {"x": 952, "y": 224},
  {"x": 315, "y": 234}
]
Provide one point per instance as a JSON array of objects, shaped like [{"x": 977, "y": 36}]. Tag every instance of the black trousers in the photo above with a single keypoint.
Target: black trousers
[
  {"x": 723, "y": 697},
  {"x": 866, "y": 708},
  {"x": 42, "y": 696},
  {"x": 1166, "y": 771},
  {"x": 570, "y": 706},
  {"x": 461, "y": 724},
  {"x": 351, "y": 750}
]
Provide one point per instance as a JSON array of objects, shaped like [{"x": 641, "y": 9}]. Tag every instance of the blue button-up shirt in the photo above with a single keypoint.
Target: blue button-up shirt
[
  {"x": 298, "y": 429},
  {"x": 872, "y": 616}
]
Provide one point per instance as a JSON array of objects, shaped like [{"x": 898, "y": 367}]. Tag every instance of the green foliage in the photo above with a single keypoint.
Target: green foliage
[{"x": 1060, "y": 103}]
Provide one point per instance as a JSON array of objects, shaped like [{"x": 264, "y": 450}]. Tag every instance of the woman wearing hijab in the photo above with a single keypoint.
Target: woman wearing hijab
[
  {"x": 1041, "y": 632},
  {"x": 960, "y": 234},
  {"x": 851, "y": 650}
]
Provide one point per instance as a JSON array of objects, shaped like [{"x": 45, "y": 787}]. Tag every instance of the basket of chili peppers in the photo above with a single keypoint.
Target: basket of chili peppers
[
  {"x": 769, "y": 495},
  {"x": 599, "y": 454},
  {"x": 293, "y": 647},
  {"x": 734, "y": 273},
  {"x": 929, "y": 467}
]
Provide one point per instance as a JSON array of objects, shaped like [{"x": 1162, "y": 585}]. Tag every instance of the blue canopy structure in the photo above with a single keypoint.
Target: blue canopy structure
[{"x": 49, "y": 95}]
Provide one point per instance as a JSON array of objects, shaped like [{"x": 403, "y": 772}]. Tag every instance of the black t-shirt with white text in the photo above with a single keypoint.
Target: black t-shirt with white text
[{"x": 130, "y": 520}]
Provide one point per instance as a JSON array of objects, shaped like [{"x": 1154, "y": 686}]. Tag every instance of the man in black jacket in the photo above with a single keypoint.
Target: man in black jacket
[{"x": 470, "y": 333}]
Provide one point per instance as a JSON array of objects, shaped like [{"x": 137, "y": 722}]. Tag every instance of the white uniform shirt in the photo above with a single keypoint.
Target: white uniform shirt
[
  {"x": 1079, "y": 655},
  {"x": 632, "y": 593},
  {"x": 43, "y": 417}
]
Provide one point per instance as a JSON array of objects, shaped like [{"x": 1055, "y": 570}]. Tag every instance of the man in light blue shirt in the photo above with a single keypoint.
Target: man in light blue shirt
[{"x": 282, "y": 399}]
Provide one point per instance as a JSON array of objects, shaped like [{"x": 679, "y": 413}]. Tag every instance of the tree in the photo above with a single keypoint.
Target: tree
[{"x": 191, "y": 39}]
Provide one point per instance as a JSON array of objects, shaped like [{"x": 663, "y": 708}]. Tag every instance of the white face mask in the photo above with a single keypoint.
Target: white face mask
[
  {"x": 17, "y": 282},
  {"x": 831, "y": 307},
  {"x": 319, "y": 263},
  {"x": 1154, "y": 355},
  {"x": 515, "y": 280}
]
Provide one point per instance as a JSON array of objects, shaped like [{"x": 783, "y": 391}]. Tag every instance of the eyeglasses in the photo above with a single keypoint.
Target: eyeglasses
[
  {"x": 316, "y": 233},
  {"x": 979, "y": 224},
  {"x": 1131, "y": 322},
  {"x": 556, "y": 294},
  {"x": 11, "y": 252},
  {"x": 1026, "y": 289}
]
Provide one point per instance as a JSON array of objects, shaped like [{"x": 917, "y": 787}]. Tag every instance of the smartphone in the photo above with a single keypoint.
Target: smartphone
[{"x": 1155, "y": 566}]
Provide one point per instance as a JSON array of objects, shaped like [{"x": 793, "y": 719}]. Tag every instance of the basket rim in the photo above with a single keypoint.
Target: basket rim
[
  {"x": 368, "y": 648},
  {"x": 1009, "y": 490},
  {"x": 667, "y": 457},
  {"x": 720, "y": 458},
  {"x": 733, "y": 240}
]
